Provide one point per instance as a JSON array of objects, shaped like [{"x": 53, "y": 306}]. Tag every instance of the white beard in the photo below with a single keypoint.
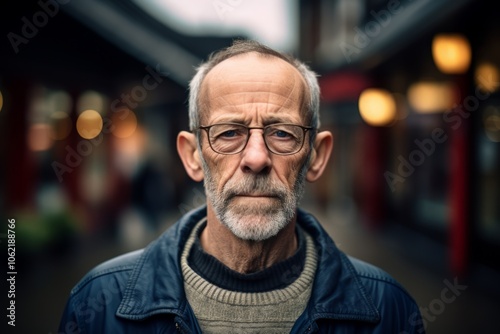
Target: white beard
[{"x": 255, "y": 219}]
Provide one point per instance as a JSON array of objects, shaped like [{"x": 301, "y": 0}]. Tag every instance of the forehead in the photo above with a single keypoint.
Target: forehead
[
  {"x": 252, "y": 82},
  {"x": 254, "y": 65}
]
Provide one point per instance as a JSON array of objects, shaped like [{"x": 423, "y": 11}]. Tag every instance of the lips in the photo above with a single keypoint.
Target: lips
[
  {"x": 256, "y": 195},
  {"x": 253, "y": 197}
]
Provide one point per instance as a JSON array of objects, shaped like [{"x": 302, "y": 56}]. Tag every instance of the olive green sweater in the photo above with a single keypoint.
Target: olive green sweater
[{"x": 224, "y": 311}]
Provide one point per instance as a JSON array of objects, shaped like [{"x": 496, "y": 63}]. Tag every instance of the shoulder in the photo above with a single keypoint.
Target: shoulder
[
  {"x": 392, "y": 300},
  {"x": 112, "y": 273},
  {"x": 374, "y": 278},
  {"x": 99, "y": 290},
  {"x": 371, "y": 272}
]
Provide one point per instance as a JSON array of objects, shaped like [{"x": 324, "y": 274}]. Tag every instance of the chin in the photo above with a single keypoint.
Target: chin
[{"x": 255, "y": 227}]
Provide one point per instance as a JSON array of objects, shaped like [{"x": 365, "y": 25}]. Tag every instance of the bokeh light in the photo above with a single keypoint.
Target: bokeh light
[
  {"x": 492, "y": 124},
  {"x": 124, "y": 123},
  {"x": 61, "y": 125},
  {"x": 39, "y": 137},
  {"x": 132, "y": 146},
  {"x": 59, "y": 101},
  {"x": 431, "y": 97},
  {"x": 91, "y": 100},
  {"x": 451, "y": 53},
  {"x": 1, "y": 100},
  {"x": 128, "y": 152},
  {"x": 89, "y": 124},
  {"x": 377, "y": 107},
  {"x": 487, "y": 77}
]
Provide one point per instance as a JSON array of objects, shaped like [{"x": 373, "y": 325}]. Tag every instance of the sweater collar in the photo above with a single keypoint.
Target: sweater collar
[
  {"x": 278, "y": 276},
  {"x": 156, "y": 284}
]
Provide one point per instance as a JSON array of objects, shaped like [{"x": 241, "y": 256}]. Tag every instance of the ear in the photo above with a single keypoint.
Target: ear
[
  {"x": 322, "y": 149},
  {"x": 188, "y": 152}
]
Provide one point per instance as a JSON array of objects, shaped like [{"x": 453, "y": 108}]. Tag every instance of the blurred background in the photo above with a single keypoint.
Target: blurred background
[{"x": 93, "y": 94}]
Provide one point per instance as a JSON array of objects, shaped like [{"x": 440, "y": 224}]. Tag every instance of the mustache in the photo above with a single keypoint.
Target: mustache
[{"x": 258, "y": 185}]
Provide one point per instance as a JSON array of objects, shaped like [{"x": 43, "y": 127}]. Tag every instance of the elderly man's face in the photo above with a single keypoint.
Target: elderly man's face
[{"x": 254, "y": 193}]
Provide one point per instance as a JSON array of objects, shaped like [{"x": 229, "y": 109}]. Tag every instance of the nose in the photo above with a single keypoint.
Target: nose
[{"x": 256, "y": 157}]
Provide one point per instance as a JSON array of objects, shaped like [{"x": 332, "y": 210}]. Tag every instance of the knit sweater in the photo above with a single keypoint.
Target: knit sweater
[
  {"x": 224, "y": 311},
  {"x": 277, "y": 276}
]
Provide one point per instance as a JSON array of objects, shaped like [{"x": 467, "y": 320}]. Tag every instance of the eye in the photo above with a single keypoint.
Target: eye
[
  {"x": 225, "y": 131},
  {"x": 229, "y": 133},
  {"x": 281, "y": 134}
]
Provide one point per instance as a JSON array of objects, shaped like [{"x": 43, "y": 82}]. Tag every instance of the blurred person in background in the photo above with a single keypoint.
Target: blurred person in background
[{"x": 249, "y": 261}]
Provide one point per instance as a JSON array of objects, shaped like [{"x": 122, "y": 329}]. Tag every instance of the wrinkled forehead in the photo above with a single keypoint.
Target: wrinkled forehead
[{"x": 253, "y": 71}]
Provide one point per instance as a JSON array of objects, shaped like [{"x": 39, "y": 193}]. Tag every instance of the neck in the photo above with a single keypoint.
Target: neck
[{"x": 246, "y": 256}]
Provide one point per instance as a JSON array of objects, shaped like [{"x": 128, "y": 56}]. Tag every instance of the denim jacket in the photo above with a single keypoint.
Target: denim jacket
[{"x": 143, "y": 292}]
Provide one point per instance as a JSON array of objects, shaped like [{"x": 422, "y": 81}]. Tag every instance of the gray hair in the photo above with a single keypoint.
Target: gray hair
[{"x": 246, "y": 46}]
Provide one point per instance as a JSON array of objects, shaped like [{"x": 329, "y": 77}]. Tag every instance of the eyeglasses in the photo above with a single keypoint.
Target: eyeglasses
[{"x": 232, "y": 138}]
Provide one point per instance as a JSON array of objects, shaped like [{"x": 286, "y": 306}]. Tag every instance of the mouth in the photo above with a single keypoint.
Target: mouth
[{"x": 255, "y": 195}]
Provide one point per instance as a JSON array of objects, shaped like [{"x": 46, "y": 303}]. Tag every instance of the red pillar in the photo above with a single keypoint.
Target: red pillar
[
  {"x": 370, "y": 180},
  {"x": 459, "y": 207},
  {"x": 459, "y": 196}
]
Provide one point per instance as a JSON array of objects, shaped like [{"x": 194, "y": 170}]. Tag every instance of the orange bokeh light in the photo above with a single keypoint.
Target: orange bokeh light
[
  {"x": 451, "y": 53},
  {"x": 89, "y": 124},
  {"x": 39, "y": 137},
  {"x": 124, "y": 123}
]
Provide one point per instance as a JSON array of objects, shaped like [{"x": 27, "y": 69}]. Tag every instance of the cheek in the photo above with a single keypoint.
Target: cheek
[
  {"x": 288, "y": 171},
  {"x": 222, "y": 168}
]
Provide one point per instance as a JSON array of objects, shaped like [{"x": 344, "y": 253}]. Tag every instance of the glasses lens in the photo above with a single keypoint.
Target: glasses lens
[
  {"x": 227, "y": 138},
  {"x": 284, "y": 139}
]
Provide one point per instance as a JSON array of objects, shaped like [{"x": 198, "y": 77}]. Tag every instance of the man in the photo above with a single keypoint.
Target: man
[{"x": 249, "y": 261}]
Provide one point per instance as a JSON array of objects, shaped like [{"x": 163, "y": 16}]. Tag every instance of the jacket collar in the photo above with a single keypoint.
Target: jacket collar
[
  {"x": 338, "y": 292},
  {"x": 156, "y": 283}
]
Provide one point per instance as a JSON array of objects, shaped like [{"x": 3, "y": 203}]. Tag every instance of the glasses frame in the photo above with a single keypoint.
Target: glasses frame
[{"x": 305, "y": 129}]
